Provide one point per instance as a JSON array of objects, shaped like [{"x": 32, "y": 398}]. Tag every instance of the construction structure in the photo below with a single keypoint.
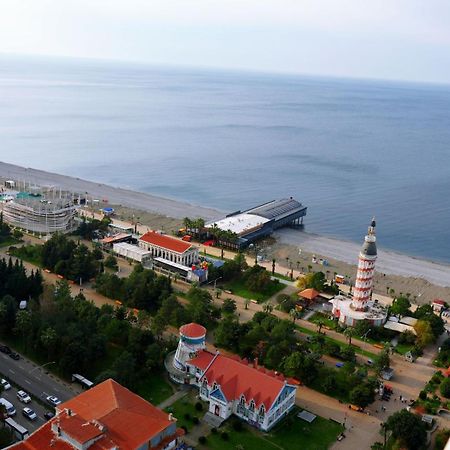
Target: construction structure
[
  {"x": 260, "y": 221},
  {"x": 40, "y": 215}
]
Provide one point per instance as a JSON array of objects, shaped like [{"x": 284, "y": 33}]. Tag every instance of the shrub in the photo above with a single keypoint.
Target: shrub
[
  {"x": 199, "y": 406},
  {"x": 445, "y": 388},
  {"x": 202, "y": 440},
  {"x": 187, "y": 416},
  {"x": 224, "y": 436},
  {"x": 237, "y": 425},
  {"x": 423, "y": 395},
  {"x": 214, "y": 430},
  {"x": 195, "y": 420}
]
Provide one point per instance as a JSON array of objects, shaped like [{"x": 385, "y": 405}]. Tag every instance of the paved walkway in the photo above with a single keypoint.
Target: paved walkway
[{"x": 174, "y": 397}]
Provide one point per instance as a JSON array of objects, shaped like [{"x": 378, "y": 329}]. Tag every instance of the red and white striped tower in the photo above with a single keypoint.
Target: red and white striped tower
[{"x": 366, "y": 267}]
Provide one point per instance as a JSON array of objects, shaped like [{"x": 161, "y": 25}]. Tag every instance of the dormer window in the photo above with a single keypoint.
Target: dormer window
[
  {"x": 262, "y": 411},
  {"x": 252, "y": 406},
  {"x": 242, "y": 400},
  {"x": 214, "y": 386}
]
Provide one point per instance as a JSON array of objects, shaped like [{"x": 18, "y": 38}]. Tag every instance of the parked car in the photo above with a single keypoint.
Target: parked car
[
  {"x": 14, "y": 356},
  {"x": 29, "y": 413},
  {"x": 5, "y": 349},
  {"x": 9, "y": 407},
  {"x": 5, "y": 384},
  {"x": 23, "y": 397},
  {"x": 54, "y": 401},
  {"x": 49, "y": 415}
]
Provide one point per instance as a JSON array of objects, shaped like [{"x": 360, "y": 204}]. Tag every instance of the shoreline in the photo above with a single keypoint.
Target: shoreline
[{"x": 167, "y": 211}]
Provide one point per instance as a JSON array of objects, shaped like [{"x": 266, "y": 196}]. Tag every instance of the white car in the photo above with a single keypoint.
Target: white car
[
  {"x": 5, "y": 384},
  {"x": 54, "y": 401},
  {"x": 29, "y": 413},
  {"x": 23, "y": 397}
]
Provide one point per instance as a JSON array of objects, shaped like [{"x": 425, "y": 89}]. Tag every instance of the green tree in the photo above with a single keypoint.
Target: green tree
[
  {"x": 400, "y": 306},
  {"x": 349, "y": 332},
  {"x": 445, "y": 387},
  {"x": 408, "y": 429},
  {"x": 383, "y": 360},
  {"x": 229, "y": 306},
  {"x": 424, "y": 333},
  {"x": 49, "y": 339},
  {"x": 362, "y": 395},
  {"x": 23, "y": 324}
]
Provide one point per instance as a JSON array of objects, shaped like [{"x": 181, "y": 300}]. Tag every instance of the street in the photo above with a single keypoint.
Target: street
[{"x": 35, "y": 381}]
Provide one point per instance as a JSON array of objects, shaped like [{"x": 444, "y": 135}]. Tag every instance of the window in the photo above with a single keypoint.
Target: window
[{"x": 252, "y": 406}]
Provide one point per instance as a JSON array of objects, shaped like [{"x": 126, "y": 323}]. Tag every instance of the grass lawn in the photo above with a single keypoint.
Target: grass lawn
[
  {"x": 330, "y": 323},
  {"x": 154, "y": 388},
  {"x": 9, "y": 241},
  {"x": 281, "y": 277},
  {"x": 184, "y": 410},
  {"x": 403, "y": 348},
  {"x": 29, "y": 253},
  {"x": 318, "y": 435},
  {"x": 357, "y": 349},
  {"x": 237, "y": 287}
]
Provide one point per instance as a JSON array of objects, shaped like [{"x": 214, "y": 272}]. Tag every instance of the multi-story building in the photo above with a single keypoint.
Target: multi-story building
[
  {"x": 259, "y": 396},
  {"x": 106, "y": 417}
]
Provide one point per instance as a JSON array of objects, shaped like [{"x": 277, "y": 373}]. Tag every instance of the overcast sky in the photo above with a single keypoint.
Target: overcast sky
[{"x": 391, "y": 39}]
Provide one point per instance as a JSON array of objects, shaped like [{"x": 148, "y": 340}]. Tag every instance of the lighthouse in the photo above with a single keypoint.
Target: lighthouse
[
  {"x": 351, "y": 310},
  {"x": 366, "y": 268}
]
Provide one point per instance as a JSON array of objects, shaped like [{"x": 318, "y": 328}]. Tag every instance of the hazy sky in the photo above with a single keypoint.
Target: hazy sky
[{"x": 393, "y": 39}]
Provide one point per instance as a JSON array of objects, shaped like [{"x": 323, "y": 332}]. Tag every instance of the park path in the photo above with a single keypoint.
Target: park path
[{"x": 184, "y": 390}]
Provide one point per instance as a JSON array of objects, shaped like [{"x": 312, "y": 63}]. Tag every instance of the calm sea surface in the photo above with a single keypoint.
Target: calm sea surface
[{"x": 347, "y": 149}]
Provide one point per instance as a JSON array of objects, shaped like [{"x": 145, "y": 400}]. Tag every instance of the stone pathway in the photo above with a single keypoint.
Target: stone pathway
[{"x": 174, "y": 397}]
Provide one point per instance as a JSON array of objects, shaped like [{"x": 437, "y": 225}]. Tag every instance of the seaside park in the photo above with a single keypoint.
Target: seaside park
[{"x": 233, "y": 349}]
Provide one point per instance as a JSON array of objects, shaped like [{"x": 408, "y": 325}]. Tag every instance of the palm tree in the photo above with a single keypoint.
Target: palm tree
[
  {"x": 294, "y": 314},
  {"x": 349, "y": 332},
  {"x": 273, "y": 266},
  {"x": 320, "y": 323},
  {"x": 309, "y": 267}
]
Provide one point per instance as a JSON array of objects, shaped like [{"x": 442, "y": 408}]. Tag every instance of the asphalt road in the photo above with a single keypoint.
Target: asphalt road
[{"x": 33, "y": 379}]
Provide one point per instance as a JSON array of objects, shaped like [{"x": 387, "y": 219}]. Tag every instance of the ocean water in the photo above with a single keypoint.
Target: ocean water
[{"x": 348, "y": 149}]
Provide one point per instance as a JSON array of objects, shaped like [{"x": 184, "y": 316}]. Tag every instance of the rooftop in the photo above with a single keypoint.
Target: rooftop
[
  {"x": 167, "y": 242},
  {"x": 236, "y": 377},
  {"x": 242, "y": 223},
  {"x": 277, "y": 209},
  {"x": 193, "y": 330}
]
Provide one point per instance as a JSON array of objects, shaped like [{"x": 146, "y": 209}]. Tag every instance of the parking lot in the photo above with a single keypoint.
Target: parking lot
[{"x": 24, "y": 375}]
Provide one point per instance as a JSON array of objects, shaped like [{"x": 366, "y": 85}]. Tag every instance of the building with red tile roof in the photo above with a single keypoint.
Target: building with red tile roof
[
  {"x": 106, "y": 417},
  {"x": 170, "y": 248},
  {"x": 173, "y": 256},
  {"x": 231, "y": 385}
]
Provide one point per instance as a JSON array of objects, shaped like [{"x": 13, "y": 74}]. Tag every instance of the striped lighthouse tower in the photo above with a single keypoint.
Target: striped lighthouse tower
[{"x": 366, "y": 267}]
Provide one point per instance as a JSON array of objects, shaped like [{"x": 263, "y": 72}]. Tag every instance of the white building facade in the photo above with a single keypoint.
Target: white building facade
[
  {"x": 169, "y": 248},
  {"x": 230, "y": 385}
]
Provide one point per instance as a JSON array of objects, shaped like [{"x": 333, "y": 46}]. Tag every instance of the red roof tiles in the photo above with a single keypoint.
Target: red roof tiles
[
  {"x": 167, "y": 242},
  {"x": 237, "y": 378},
  {"x": 117, "y": 417},
  {"x": 193, "y": 330}
]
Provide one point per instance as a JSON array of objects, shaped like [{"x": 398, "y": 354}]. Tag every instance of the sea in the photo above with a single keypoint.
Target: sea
[{"x": 349, "y": 149}]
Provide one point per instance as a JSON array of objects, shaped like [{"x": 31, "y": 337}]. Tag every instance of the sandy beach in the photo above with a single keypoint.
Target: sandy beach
[
  {"x": 424, "y": 280},
  {"x": 114, "y": 195}
]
